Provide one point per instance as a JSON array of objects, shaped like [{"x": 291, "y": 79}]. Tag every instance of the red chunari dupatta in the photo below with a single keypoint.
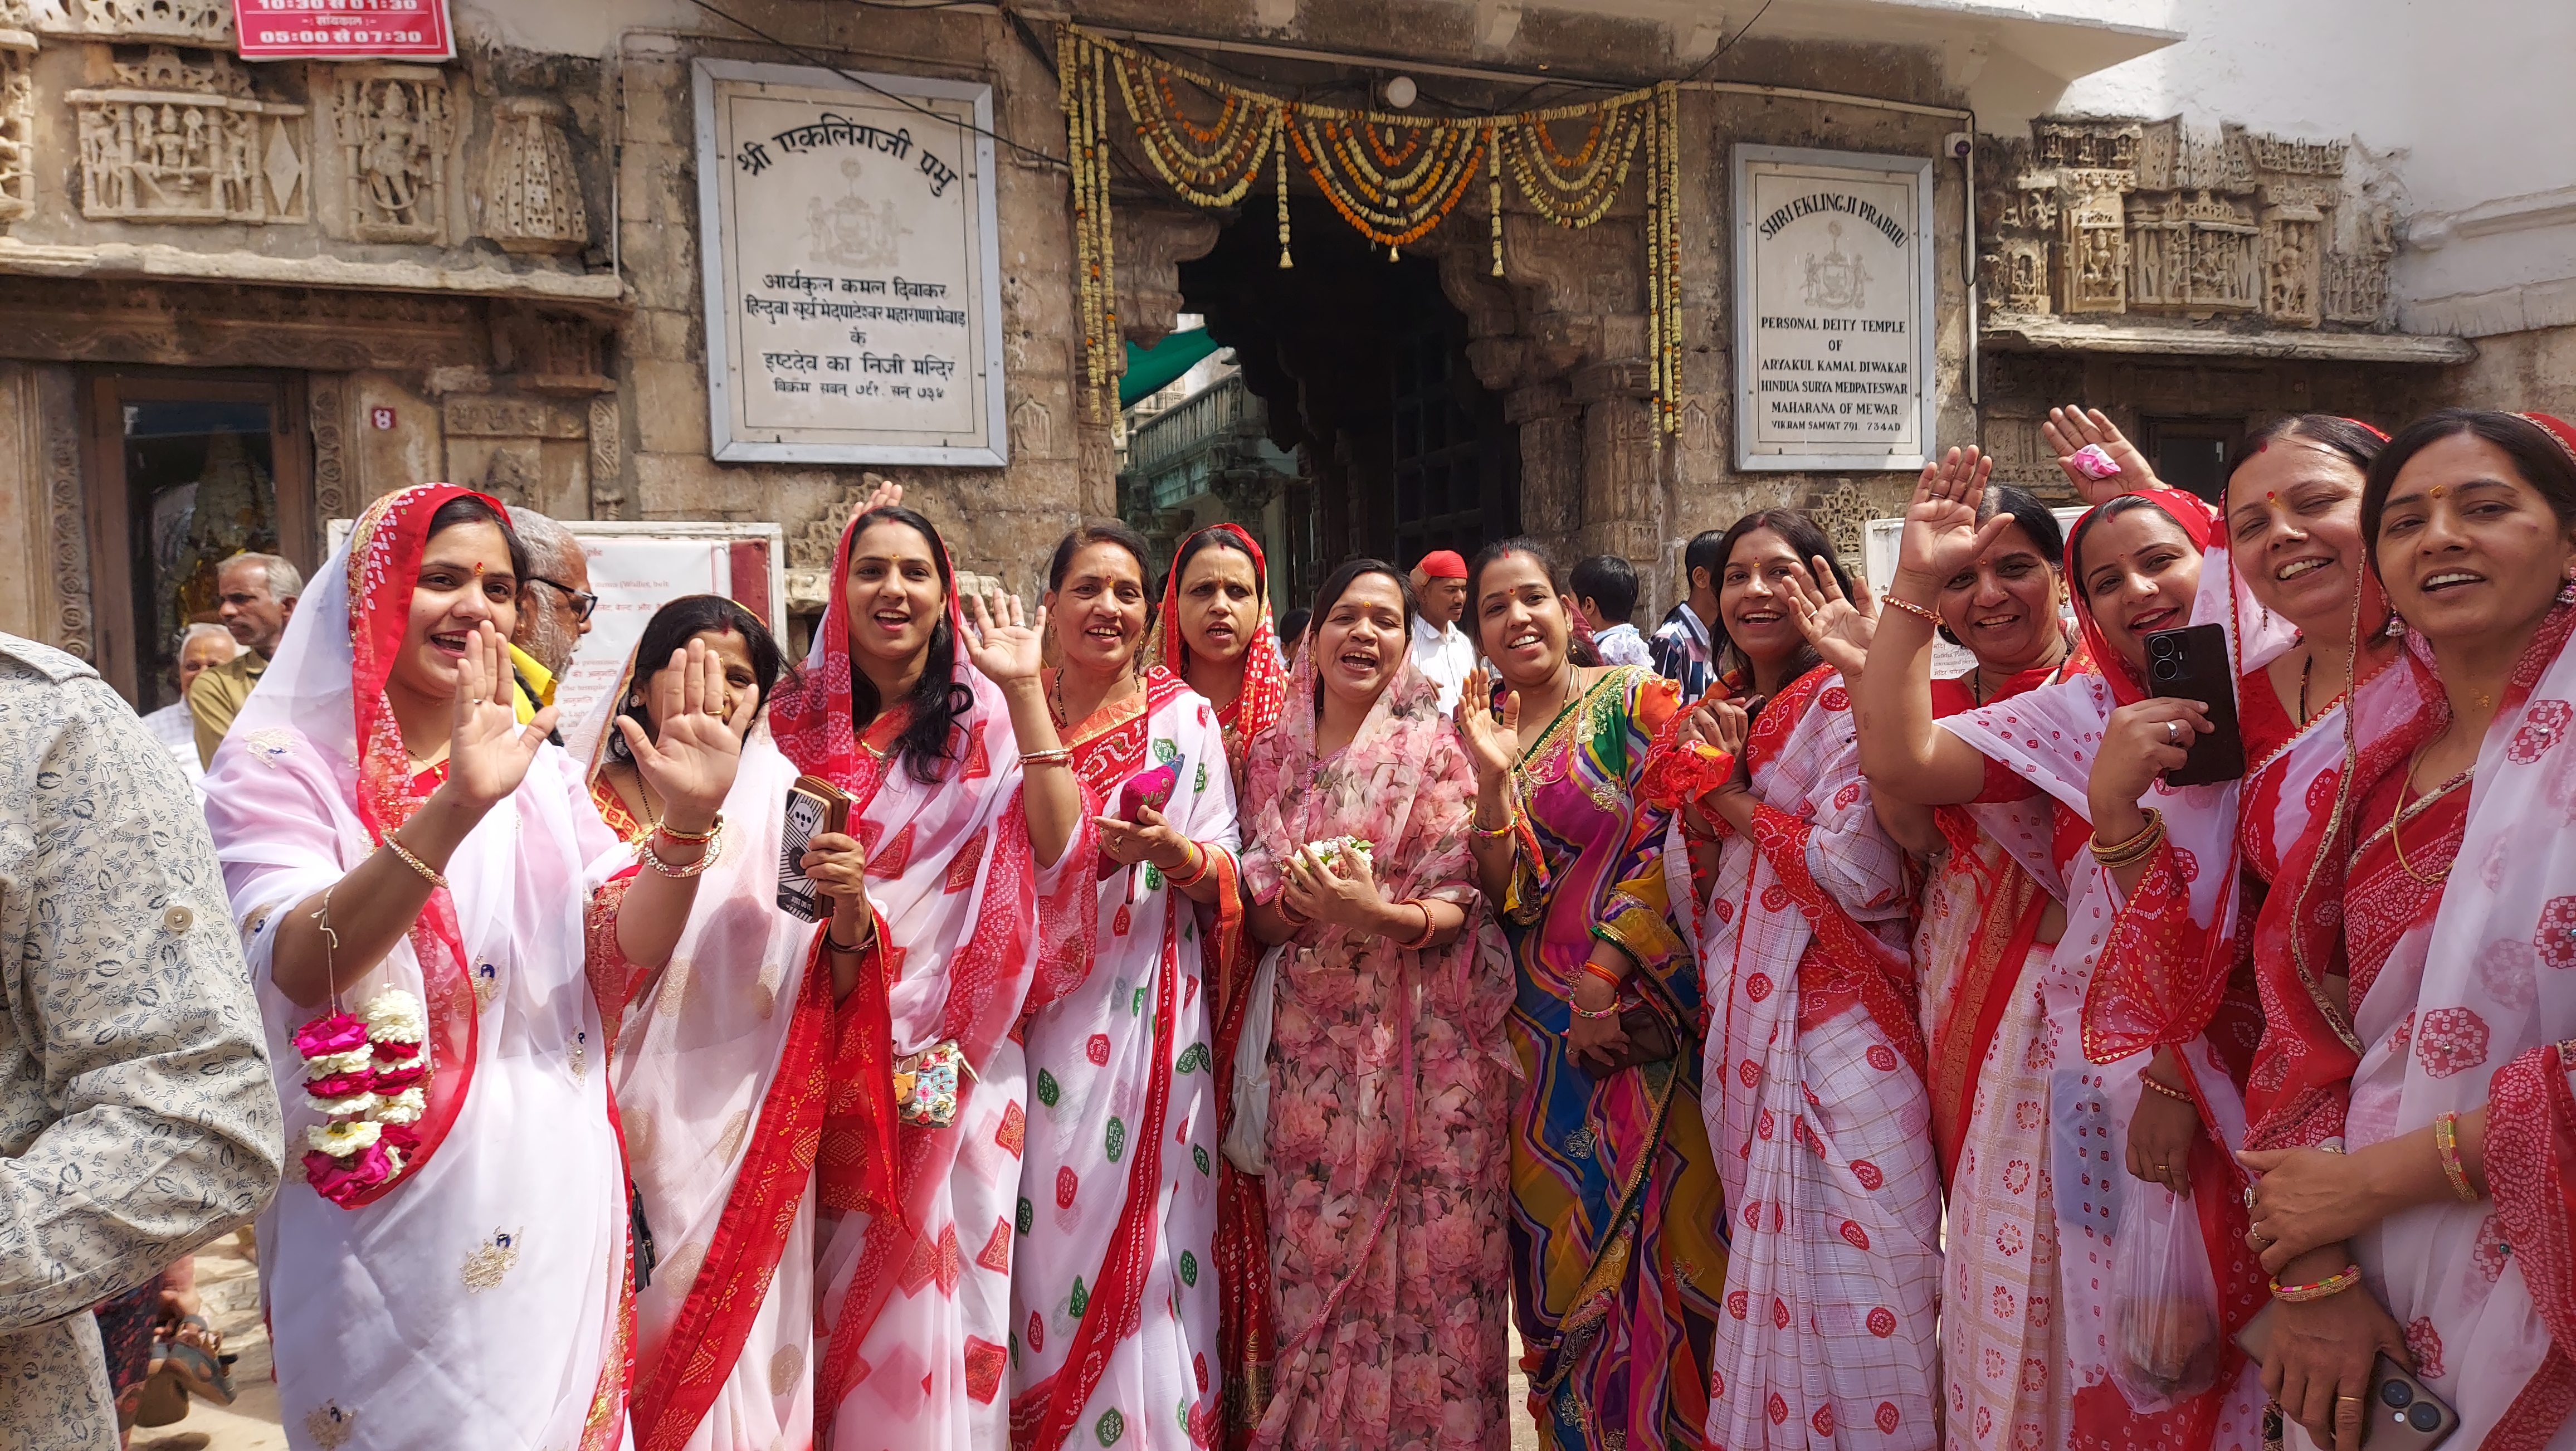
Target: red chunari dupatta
[
  {"x": 1246, "y": 1336},
  {"x": 385, "y": 549}
]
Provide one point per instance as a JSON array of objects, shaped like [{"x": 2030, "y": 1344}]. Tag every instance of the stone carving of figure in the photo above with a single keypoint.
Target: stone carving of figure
[
  {"x": 395, "y": 157},
  {"x": 2289, "y": 283},
  {"x": 236, "y": 184}
]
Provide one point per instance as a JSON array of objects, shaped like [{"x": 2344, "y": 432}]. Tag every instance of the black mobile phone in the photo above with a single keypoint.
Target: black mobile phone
[
  {"x": 2190, "y": 663},
  {"x": 814, "y": 807},
  {"x": 2398, "y": 1413}
]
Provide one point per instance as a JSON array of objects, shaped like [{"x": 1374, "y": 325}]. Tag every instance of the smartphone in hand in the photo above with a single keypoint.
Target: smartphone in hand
[
  {"x": 815, "y": 807},
  {"x": 2190, "y": 663}
]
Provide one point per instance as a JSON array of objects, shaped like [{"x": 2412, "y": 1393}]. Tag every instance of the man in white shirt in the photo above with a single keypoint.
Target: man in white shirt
[
  {"x": 1440, "y": 649},
  {"x": 202, "y": 646}
]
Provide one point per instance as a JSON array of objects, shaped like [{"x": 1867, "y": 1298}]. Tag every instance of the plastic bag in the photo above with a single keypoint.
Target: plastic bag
[
  {"x": 2164, "y": 1301},
  {"x": 1247, "y": 1140}
]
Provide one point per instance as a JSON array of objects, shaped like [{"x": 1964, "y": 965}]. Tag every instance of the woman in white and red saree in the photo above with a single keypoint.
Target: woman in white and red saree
[
  {"x": 1814, "y": 1102},
  {"x": 409, "y": 865},
  {"x": 2422, "y": 1019},
  {"x": 1992, "y": 912},
  {"x": 1113, "y": 1286},
  {"x": 2136, "y": 564},
  {"x": 1215, "y": 633},
  {"x": 719, "y": 1067},
  {"x": 961, "y": 897},
  {"x": 1387, "y": 1072}
]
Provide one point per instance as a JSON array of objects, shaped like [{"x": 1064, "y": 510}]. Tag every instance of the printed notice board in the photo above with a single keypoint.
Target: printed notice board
[
  {"x": 1833, "y": 309},
  {"x": 343, "y": 30},
  {"x": 852, "y": 268}
]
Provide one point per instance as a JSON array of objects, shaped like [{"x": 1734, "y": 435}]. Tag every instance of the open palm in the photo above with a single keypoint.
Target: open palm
[
  {"x": 2070, "y": 430},
  {"x": 488, "y": 751},
  {"x": 1839, "y": 628},
  {"x": 1002, "y": 642},
  {"x": 1493, "y": 745},
  {"x": 1942, "y": 535},
  {"x": 691, "y": 764}
]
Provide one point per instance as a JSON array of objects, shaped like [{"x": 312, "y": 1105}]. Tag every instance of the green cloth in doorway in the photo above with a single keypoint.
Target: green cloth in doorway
[{"x": 1150, "y": 370}]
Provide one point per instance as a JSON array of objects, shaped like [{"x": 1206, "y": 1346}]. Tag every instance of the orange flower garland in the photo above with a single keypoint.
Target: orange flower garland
[{"x": 1391, "y": 178}]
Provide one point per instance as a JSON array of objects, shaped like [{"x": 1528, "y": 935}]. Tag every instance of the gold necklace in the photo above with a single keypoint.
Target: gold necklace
[{"x": 2396, "y": 844}]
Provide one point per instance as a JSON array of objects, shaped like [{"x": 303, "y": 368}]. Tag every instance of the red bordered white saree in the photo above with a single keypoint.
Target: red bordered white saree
[{"x": 479, "y": 1297}]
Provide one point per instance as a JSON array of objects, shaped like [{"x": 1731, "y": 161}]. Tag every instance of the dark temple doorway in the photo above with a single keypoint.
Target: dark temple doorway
[{"x": 1348, "y": 420}]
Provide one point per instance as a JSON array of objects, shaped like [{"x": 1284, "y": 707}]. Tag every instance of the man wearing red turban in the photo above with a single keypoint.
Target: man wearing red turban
[{"x": 1440, "y": 649}]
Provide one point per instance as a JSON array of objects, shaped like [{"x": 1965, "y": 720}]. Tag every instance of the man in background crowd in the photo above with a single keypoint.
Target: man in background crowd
[
  {"x": 555, "y": 605},
  {"x": 1440, "y": 650},
  {"x": 202, "y": 646},
  {"x": 256, "y": 597},
  {"x": 138, "y": 1119},
  {"x": 1682, "y": 648},
  {"x": 1605, "y": 590}
]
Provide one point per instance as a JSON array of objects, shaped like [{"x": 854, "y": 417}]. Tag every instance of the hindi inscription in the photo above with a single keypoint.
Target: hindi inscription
[
  {"x": 853, "y": 290},
  {"x": 1834, "y": 290}
]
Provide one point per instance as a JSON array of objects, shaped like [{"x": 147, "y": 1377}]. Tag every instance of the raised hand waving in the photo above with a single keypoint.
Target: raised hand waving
[
  {"x": 691, "y": 766},
  {"x": 2071, "y": 430},
  {"x": 488, "y": 751}
]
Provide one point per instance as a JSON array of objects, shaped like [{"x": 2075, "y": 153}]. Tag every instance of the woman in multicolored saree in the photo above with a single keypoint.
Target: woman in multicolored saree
[
  {"x": 1215, "y": 633},
  {"x": 719, "y": 1067},
  {"x": 2415, "y": 1094},
  {"x": 961, "y": 898},
  {"x": 1815, "y": 1101},
  {"x": 1386, "y": 1067},
  {"x": 451, "y": 1267},
  {"x": 1113, "y": 1280},
  {"x": 1618, "y": 1249}
]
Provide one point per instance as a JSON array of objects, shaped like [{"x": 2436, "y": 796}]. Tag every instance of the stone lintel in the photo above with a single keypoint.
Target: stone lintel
[
  {"x": 595, "y": 292},
  {"x": 2031, "y": 334},
  {"x": 1618, "y": 378}
]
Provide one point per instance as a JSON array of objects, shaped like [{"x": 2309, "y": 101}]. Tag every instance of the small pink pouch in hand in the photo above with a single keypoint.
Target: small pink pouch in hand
[
  {"x": 2093, "y": 462},
  {"x": 1150, "y": 788}
]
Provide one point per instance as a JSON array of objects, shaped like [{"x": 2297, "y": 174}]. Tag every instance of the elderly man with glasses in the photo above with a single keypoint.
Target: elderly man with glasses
[{"x": 555, "y": 605}]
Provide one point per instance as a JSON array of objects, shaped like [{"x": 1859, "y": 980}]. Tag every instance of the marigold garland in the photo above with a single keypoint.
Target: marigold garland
[{"x": 1391, "y": 178}]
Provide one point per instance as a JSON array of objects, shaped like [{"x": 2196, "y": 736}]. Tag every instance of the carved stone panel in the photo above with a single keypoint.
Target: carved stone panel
[
  {"x": 396, "y": 126},
  {"x": 182, "y": 22},
  {"x": 17, "y": 118},
  {"x": 2093, "y": 252},
  {"x": 327, "y": 408},
  {"x": 2293, "y": 284},
  {"x": 2086, "y": 145},
  {"x": 183, "y": 139},
  {"x": 2191, "y": 252},
  {"x": 2023, "y": 283},
  {"x": 531, "y": 196}
]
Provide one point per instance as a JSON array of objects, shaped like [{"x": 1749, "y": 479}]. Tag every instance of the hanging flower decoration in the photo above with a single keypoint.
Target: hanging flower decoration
[
  {"x": 1392, "y": 178},
  {"x": 366, "y": 1075}
]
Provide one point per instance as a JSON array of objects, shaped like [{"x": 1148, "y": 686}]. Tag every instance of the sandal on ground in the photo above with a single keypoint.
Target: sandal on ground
[{"x": 196, "y": 1359}]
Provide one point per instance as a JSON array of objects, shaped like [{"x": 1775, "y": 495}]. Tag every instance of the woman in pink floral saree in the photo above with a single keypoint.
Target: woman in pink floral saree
[{"x": 1386, "y": 1121}]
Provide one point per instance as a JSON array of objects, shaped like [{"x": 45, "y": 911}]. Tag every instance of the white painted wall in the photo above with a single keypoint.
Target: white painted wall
[{"x": 2468, "y": 103}]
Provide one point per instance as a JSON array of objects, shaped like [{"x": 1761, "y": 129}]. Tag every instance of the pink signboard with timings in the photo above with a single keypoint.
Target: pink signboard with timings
[{"x": 343, "y": 30}]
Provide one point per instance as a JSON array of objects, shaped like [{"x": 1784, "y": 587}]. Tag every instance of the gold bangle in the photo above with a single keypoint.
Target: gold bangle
[
  {"x": 1061, "y": 755},
  {"x": 2446, "y": 1142},
  {"x": 707, "y": 856},
  {"x": 2112, "y": 856},
  {"x": 691, "y": 838},
  {"x": 1928, "y": 617},
  {"x": 428, "y": 873}
]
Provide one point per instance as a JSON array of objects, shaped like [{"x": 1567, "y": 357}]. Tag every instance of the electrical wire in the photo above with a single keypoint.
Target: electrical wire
[
  {"x": 856, "y": 79},
  {"x": 1730, "y": 45}
]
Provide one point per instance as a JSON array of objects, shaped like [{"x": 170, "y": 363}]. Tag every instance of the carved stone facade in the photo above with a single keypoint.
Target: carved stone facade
[
  {"x": 396, "y": 127},
  {"x": 17, "y": 113},
  {"x": 2107, "y": 217},
  {"x": 531, "y": 194},
  {"x": 182, "y": 136},
  {"x": 181, "y": 22}
]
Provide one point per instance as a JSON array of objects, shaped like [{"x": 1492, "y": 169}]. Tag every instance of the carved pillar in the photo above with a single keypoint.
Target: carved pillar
[
  {"x": 1551, "y": 425},
  {"x": 326, "y": 400},
  {"x": 63, "y": 514},
  {"x": 607, "y": 458},
  {"x": 1152, "y": 244}
]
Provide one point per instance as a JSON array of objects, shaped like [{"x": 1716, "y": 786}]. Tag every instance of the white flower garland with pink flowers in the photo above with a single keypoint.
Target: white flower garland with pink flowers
[{"x": 366, "y": 1074}]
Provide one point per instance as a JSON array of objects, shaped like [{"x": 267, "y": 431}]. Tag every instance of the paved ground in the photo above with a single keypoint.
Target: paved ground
[{"x": 229, "y": 1284}]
